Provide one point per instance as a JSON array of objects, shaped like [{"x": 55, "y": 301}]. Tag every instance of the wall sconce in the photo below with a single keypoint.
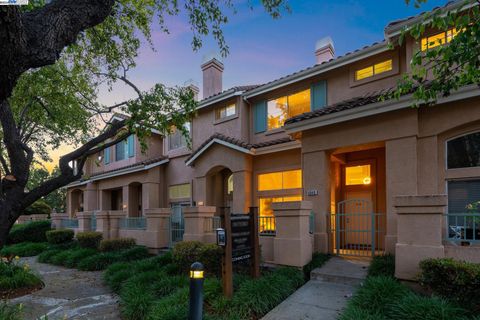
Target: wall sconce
[
  {"x": 200, "y": 203},
  {"x": 367, "y": 180}
]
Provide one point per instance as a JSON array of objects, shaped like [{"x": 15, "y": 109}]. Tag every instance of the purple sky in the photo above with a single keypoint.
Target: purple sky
[{"x": 263, "y": 49}]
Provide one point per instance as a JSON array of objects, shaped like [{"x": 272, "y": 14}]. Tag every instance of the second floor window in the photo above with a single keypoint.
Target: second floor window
[
  {"x": 225, "y": 112},
  {"x": 176, "y": 139},
  {"x": 438, "y": 39},
  {"x": 280, "y": 109},
  {"x": 123, "y": 150},
  {"x": 120, "y": 150},
  {"x": 373, "y": 70}
]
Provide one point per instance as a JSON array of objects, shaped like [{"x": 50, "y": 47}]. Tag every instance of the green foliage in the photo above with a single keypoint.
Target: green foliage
[
  {"x": 38, "y": 207},
  {"x": 14, "y": 275},
  {"x": 172, "y": 307},
  {"x": 76, "y": 255},
  {"x": 56, "y": 199},
  {"x": 9, "y": 312},
  {"x": 187, "y": 252},
  {"x": 45, "y": 256},
  {"x": 382, "y": 266},
  {"x": 29, "y": 232},
  {"x": 101, "y": 261},
  {"x": 89, "y": 239},
  {"x": 318, "y": 260},
  {"x": 458, "y": 281},
  {"x": 117, "y": 244},
  {"x": 60, "y": 236},
  {"x": 24, "y": 249}
]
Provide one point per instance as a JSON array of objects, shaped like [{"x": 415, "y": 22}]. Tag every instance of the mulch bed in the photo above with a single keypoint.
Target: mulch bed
[{"x": 15, "y": 293}]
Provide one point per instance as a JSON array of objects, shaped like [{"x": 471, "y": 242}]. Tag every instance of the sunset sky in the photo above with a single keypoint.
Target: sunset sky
[{"x": 263, "y": 49}]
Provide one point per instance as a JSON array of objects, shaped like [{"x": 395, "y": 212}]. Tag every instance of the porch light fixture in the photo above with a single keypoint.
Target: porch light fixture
[{"x": 367, "y": 180}]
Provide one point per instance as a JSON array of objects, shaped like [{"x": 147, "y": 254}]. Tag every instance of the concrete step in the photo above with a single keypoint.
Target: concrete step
[{"x": 350, "y": 271}]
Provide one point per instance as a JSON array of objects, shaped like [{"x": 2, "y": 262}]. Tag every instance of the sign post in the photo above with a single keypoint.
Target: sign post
[
  {"x": 227, "y": 267},
  {"x": 255, "y": 261}
]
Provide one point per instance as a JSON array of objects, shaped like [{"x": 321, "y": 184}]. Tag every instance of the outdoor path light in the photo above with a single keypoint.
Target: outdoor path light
[{"x": 196, "y": 291}]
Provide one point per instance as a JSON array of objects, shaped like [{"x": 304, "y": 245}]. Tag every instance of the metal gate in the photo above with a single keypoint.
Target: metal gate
[
  {"x": 177, "y": 225},
  {"x": 356, "y": 229}
]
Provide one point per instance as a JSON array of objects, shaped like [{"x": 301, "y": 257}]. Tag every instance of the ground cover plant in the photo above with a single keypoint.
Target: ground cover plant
[
  {"x": 24, "y": 249},
  {"x": 16, "y": 278},
  {"x": 383, "y": 297},
  {"x": 9, "y": 312}
]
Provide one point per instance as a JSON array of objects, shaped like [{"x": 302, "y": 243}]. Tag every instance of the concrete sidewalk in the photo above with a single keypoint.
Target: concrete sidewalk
[{"x": 325, "y": 295}]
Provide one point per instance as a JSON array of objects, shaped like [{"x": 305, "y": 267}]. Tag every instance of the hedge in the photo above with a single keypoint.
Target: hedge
[
  {"x": 89, "y": 239},
  {"x": 187, "y": 252},
  {"x": 60, "y": 236},
  {"x": 38, "y": 207},
  {"x": 117, "y": 244},
  {"x": 29, "y": 232}
]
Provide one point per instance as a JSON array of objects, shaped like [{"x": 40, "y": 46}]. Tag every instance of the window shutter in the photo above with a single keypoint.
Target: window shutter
[
  {"x": 318, "y": 95},
  {"x": 260, "y": 117},
  {"x": 106, "y": 155},
  {"x": 131, "y": 145}
]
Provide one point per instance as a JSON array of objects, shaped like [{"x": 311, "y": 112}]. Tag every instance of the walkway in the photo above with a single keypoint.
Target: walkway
[
  {"x": 69, "y": 294},
  {"x": 325, "y": 295}
]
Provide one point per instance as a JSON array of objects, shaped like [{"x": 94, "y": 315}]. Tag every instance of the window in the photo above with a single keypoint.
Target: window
[
  {"x": 225, "y": 112},
  {"x": 280, "y": 109},
  {"x": 176, "y": 139},
  {"x": 358, "y": 175},
  {"x": 180, "y": 191},
  {"x": 373, "y": 70},
  {"x": 463, "y": 222},
  {"x": 464, "y": 151},
  {"x": 280, "y": 180},
  {"x": 266, "y": 223},
  {"x": 438, "y": 39},
  {"x": 121, "y": 150}
]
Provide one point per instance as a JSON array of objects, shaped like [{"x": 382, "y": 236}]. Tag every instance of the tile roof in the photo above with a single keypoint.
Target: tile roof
[
  {"x": 238, "y": 143},
  {"x": 231, "y": 90},
  {"x": 133, "y": 165},
  {"x": 356, "y": 102}
]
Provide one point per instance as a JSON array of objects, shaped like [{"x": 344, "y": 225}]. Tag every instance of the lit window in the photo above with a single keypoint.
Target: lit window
[
  {"x": 266, "y": 221},
  {"x": 176, "y": 139},
  {"x": 464, "y": 151},
  {"x": 180, "y": 191},
  {"x": 280, "y": 109},
  {"x": 280, "y": 180},
  {"x": 225, "y": 112},
  {"x": 358, "y": 175},
  {"x": 438, "y": 39},
  {"x": 371, "y": 71}
]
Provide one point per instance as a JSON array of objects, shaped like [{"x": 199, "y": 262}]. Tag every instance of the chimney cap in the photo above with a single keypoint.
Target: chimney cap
[
  {"x": 191, "y": 83},
  {"x": 211, "y": 56},
  {"x": 323, "y": 43}
]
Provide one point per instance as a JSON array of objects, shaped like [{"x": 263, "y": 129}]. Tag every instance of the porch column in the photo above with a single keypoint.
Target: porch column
[
  {"x": 84, "y": 221},
  {"x": 103, "y": 224},
  {"x": 293, "y": 244},
  {"x": 158, "y": 227},
  {"x": 419, "y": 232},
  {"x": 150, "y": 195},
  {"x": 90, "y": 197},
  {"x": 316, "y": 178},
  {"x": 114, "y": 220},
  {"x": 200, "y": 191},
  {"x": 196, "y": 220},
  {"x": 401, "y": 176},
  {"x": 105, "y": 199},
  {"x": 242, "y": 191},
  {"x": 57, "y": 218},
  {"x": 69, "y": 210}
]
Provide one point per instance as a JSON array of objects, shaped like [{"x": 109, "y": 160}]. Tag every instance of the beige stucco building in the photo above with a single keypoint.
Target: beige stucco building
[{"x": 330, "y": 166}]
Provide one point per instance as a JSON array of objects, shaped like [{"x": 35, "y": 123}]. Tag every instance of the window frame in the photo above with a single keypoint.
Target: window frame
[
  {"x": 446, "y": 150},
  {"x": 394, "y": 56},
  {"x": 446, "y": 39},
  {"x": 183, "y": 139},
  {"x": 287, "y": 95},
  {"x": 227, "y": 117}
]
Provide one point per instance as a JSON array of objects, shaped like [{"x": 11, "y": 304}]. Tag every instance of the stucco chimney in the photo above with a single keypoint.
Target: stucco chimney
[
  {"x": 193, "y": 85},
  {"x": 324, "y": 50},
  {"x": 212, "y": 68}
]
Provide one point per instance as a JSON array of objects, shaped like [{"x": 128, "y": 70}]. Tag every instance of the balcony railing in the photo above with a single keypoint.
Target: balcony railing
[
  {"x": 311, "y": 223},
  {"x": 69, "y": 223},
  {"x": 93, "y": 223},
  {"x": 137, "y": 223},
  {"x": 266, "y": 225},
  {"x": 212, "y": 224},
  {"x": 463, "y": 227}
]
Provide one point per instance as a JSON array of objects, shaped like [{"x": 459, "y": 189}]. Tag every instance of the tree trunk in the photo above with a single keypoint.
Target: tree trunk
[{"x": 7, "y": 219}]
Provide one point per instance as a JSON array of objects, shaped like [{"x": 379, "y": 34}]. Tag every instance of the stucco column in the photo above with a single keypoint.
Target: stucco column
[
  {"x": 427, "y": 168},
  {"x": 69, "y": 203},
  {"x": 57, "y": 219},
  {"x": 293, "y": 244},
  {"x": 84, "y": 221},
  {"x": 150, "y": 195},
  {"x": 195, "y": 220},
  {"x": 401, "y": 176},
  {"x": 90, "y": 197},
  {"x": 158, "y": 227},
  {"x": 114, "y": 219},
  {"x": 103, "y": 224},
  {"x": 105, "y": 200},
  {"x": 242, "y": 191},
  {"x": 316, "y": 178},
  {"x": 200, "y": 190},
  {"x": 419, "y": 229}
]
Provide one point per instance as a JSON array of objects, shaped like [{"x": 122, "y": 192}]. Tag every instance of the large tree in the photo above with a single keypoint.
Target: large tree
[{"x": 56, "y": 56}]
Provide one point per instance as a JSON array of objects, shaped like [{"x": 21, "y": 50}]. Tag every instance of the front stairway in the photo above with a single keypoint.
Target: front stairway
[{"x": 326, "y": 294}]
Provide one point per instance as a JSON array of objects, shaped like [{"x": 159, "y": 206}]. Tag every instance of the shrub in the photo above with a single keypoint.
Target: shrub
[
  {"x": 172, "y": 307},
  {"x": 454, "y": 280},
  {"x": 382, "y": 266},
  {"x": 98, "y": 261},
  {"x": 24, "y": 249},
  {"x": 136, "y": 301},
  {"x": 29, "y": 232},
  {"x": 89, "y": 239},
  {"x": 9, "y": 312},
  {"x": 132, "y": 254},
  {"x": 60, "y": 236},
  {"x": 46, "y": 256},
  {"x": 15, "y": 276},
  {"x": 187, "y": 252},
  {"x": 38, "y": 207},
  {"x": 318, "y": 260},
  {"x": 117, "y": 244},
  {"x": 76, "y": 255}
]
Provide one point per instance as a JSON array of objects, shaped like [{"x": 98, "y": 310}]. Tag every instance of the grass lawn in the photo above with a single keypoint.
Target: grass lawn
[{"x": 383, "y": 297}]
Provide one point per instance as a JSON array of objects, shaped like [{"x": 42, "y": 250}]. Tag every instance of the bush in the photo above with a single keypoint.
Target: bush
[
  {"x": 117, "y": 244},
  {"x": 98, "y": 261},
  {"x": 38, "y": 207},
  {"x": 16, "y": 276},
  {"x": 24, "y": 249},
  {"x": 29, "y": 232},
  {"x": 454, "y": 280},
  {"x": 382, "y": 266},
  {"x": 318, "y": 260},
  {"x": 60, "y": 236},
  {"x": 89, "y": 239},
  {"x": 187, "y": 252},
  {"x": 9, "y": 312},
  {"x": 132, "y": 254},
  {"x": 172, "y": 307},
  {"x": 46, "y": 256}
]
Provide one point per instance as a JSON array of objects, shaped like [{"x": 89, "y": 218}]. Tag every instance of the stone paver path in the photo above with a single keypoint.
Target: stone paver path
[
  {"x": 69, "y": 294},
  {"x": 325, "y": 295}
]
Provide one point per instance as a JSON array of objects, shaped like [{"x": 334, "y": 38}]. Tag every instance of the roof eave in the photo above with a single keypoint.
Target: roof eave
[
  {"x": 221, "y": 97},
  {"x": 190, "y": 161}
]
